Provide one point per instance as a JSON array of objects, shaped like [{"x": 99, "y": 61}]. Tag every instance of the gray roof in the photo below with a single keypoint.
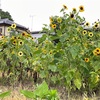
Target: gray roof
[{"x": 8, "y": 22}]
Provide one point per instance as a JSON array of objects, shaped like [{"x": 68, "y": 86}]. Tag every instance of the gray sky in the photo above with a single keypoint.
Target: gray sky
[{"x": 34, "y": 13}]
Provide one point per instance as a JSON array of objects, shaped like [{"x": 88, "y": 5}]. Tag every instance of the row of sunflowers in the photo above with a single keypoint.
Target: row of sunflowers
[{"x": 68, "y": 54}]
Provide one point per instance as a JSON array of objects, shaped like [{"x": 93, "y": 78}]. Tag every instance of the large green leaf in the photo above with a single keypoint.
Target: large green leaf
[
  {"x": 41, "y": 90},
  {"x": 78, "y": 83},
  {"x": 28, "y": 94},
  {"x": 2, "y": 95},
  {"x": 53, "y": 68}
]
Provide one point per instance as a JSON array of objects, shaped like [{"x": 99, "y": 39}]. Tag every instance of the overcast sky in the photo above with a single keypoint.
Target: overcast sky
[{"x": 34, "y": 13}]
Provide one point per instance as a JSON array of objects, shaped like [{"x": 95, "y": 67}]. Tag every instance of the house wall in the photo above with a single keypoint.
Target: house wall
[
  {"x": 37, "y": 35},
  {"x": 5, "y": 30}
]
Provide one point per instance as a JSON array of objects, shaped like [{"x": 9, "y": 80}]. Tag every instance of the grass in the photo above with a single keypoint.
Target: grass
[{"x": 16, "y": 95}]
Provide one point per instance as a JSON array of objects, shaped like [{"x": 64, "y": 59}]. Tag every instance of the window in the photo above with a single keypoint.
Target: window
[{"x": 0, "y": 31}]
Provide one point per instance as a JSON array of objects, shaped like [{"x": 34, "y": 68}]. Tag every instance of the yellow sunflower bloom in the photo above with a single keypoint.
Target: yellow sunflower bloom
[
  {"x": 13, "y": 26},
  {"x": 96, "y": 25},
  {"x": 20, "y": 53},
  {"x": 96, "y": 51},
  {"x": 81, "y": 8},
  {"x": 2, "y": 37},
  {"x": 20, "y": 42},
  {"x": 84, "y": 32},
  {"x": 24, "y": 34},
  {"x": 8, "y": 29},
  {"x": 86, "y": 59},
  {"x": 87, "y": 24},
  {"x": 53, "y": 26},
  {"x": 14, "y": 42},
  {"x": 90, "y": 34}
]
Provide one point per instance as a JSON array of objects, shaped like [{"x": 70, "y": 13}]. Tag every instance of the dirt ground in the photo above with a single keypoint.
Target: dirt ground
[{"x": 16, "y": 95}]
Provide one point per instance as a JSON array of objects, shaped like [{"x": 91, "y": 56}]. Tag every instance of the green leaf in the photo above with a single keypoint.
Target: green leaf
[
  {"x": 74, "y": 51},
  {"x": 2, "y": 95},
  {"x": 41, "y": 90},
  {"x": 78, "y": 83},
  {"x": 28, "y": 94},
  {"x": 53, "y": 68},
  {"x": 96, "y": 65}
]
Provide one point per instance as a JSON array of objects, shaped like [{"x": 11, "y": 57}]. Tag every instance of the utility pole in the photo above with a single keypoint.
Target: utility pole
[
  {"x": 0, "y": 9},
  {"x": 32, "y": 22},
  {"x": 0, "y": 4}
]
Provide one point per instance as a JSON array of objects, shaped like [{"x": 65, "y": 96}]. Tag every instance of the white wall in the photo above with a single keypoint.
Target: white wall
[{"x": 37, "y": 35}]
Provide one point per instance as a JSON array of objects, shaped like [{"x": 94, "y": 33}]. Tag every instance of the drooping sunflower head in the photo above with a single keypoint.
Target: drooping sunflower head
[
  {"x": 90, "y": 34},
  {"x": 51, "y": 19},
  {"x": 72, "y": 16},
  {"x": 65, "y": 7},
  {"x": 81, "y": 8},
  {"x": 86, "y": 59},
  {"x": 13, "y": 26},
  {"x": 20, "y": 53},
  {"x": 74, "y": 10}
]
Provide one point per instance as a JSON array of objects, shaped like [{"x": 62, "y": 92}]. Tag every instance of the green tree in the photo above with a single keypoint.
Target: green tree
[{"x": 5, "y": 14}]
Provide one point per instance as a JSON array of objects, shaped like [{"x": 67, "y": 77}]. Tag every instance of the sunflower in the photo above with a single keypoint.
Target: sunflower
[
  {"x": 96, "y": 25},
  {"x": 86, "y": 59},
  {"x": 24, "y": 34},
  {"x": 84, "y": 32},
  {"x": 2, "y": 37},
  {"x": 72, "y": 16},
  {"x": 74, "y": 10},
  {"x": 96, "y": 51},
  {"x": 8, "y": 29},
  {"x": 20, "y": 53},
  {"x": 59, "y": 20},
  {"x": 33, "y": 38},
  {"x": 87, "y": 24},
  {"x": 50, "y": 52},
  {"x": 90, "y": 34},
  {"x": 44, "y": 50},
  {"x": 81, "y": 8},
  {"x": 65, "y": 7},
  {"x": 14, "y": 42},
  {"x": 53, "y": 26},
  {"x": 51, "y": 19},
  {"x": 13, "y": 26},
  {"x": 21, "y": 42}
]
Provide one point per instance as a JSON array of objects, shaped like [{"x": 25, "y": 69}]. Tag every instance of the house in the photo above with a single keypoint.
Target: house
[{"x": 5, "y": 23}]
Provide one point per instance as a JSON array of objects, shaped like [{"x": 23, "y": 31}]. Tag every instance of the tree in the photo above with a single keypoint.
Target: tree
[{"x": 6, "y": 14}]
